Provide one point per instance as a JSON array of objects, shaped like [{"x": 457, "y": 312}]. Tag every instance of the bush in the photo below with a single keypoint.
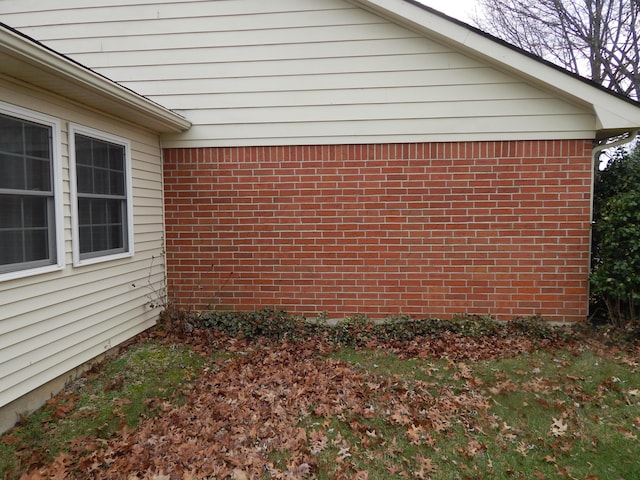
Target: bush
[{"x": 615, "y": 269}]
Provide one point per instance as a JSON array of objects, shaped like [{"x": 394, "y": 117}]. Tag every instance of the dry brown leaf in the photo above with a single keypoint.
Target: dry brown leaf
[
  {"x": 558, "y": 427},
  {"x": 238, "y": 474}
]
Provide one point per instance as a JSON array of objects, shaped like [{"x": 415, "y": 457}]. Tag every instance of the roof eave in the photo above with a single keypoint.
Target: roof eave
[{"x": 47, "y": 69}]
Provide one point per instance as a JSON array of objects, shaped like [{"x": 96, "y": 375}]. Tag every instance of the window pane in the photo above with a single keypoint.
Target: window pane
[
  {"x": 99, "y": 234},
  {"x": 11, "y": 251},
  {"x": 100, "y": 181},
  {"x": 84, "y": 211},
  {"x": 116, "y": 157},
  {"x": 11, "y": 135},
  {"x": 38, "y": 175},
  {"x": 114, "y": 211},
  {"x": 12, "y": 172},
  {"x": 116, "y": 224},
  {"x": 117, "y": 183},
  {"x": 100, "y": 154},
  {"x": 83, "y": 150},
  {"x": 36, "y": 245},
  {"x": 10, "y": 212},
  {"x": 34, "y": 212},
  {"x": 98, "y": 212},
  {"x": 36, "y": 141},
  {"x": 115, "y": 236},
  {"x": 85, "y": 239},
  {"x": 85, "y": 181}
]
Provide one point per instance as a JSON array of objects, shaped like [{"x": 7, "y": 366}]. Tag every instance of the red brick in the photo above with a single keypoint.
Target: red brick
[{"x": 430, "y": 229}]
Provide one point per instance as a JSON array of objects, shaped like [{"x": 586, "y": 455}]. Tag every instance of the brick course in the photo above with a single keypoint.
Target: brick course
[{"x": 423, "y": 229}]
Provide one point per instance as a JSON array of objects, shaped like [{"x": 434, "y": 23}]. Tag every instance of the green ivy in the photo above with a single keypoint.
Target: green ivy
[
  {"x": 359, "y": 330},
  {"x": 270, "y": 323}
]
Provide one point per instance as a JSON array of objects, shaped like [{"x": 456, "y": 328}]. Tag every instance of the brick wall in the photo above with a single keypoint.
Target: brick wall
[{"x": 422, "y": 229}]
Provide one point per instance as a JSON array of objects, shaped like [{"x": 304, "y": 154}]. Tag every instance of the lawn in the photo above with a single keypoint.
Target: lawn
[{"x": 470, "y": 403}]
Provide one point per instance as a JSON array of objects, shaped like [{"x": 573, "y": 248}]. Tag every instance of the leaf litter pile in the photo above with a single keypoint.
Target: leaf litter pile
[{"x": 446, "y": 406}]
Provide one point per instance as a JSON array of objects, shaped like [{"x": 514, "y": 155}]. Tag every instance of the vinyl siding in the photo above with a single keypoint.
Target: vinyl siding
[
  {"x": 55, "y": 322},
  {"x": 250, "y": 72}
]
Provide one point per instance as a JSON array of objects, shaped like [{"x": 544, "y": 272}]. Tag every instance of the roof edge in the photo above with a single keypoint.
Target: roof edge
[
  {"x": 17, "y": 43},
  {"x": 522, "y": 51}
]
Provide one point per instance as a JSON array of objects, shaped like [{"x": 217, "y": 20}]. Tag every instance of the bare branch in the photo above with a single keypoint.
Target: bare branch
[{"x": 595, "y": 38}]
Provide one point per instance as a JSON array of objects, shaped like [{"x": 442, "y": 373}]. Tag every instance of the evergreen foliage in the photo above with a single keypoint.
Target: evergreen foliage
[{"x": 615, "y": 272}]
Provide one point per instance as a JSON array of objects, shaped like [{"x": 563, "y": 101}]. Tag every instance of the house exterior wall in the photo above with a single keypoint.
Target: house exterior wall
[
  {"x": 297, "y": 72},
  {"x": 428, "y": 229},
  {"x": 51, "y": 323}
]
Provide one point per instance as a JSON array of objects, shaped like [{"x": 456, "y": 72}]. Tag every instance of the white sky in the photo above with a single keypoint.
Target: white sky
[{"x": 460, "y": 9}]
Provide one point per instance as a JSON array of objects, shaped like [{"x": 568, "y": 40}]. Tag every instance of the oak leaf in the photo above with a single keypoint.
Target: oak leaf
[
  {"x": 238, "y": 474},
  {"x": 344, "y": 453},
  {"x": 558, "y": 427}
]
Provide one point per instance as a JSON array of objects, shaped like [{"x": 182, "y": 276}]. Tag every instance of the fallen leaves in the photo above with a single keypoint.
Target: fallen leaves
[
  {"x": 63, "y": 404},
  {"x": 288, "y": 411},
  {"x": 247, "y": 406},
  {"x": 239, "y": 413},
  {"x": 318, "y": 442}
]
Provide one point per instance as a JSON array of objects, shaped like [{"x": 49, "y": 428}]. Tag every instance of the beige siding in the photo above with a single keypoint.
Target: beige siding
[
  {"x": 54, "y": 322},
  {"x": 295, "y": 72}
]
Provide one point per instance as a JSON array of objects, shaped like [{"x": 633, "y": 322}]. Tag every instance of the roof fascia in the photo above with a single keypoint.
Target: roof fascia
[
  {"x": 67, "y": 71},
  {"x": 614, "y": 113}
]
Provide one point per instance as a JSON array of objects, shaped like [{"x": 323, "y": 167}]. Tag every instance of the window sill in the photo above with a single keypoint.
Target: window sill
[
  {"x": 31, "y": 272},
  {"x": 101, "y": 259}
]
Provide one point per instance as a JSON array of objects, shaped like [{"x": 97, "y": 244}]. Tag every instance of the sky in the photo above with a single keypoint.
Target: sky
[{"x": 459, "y": 9}]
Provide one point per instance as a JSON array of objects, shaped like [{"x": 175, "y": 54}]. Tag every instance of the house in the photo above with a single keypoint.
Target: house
[
  {"x": 80, "y": 256},
  {"x": 370, "y": 156}
]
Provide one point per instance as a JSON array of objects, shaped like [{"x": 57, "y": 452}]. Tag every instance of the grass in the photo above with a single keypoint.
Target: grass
[
  {"x": 551, "y": 415},
  {"x": 121, "y": 392},
  {"x": 565, "y": 412}
]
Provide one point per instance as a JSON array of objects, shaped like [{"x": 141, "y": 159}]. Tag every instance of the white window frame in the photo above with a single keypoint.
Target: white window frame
[
  {"x": 57, "y": 230},
  {"x": 75, "y": 228}
]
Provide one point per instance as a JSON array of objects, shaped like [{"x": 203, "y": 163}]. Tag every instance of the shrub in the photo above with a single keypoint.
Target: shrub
[{"x": 615, "y": 269}]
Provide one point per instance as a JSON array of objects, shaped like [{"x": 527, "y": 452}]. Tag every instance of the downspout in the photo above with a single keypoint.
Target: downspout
[
  {"x": 163, "y": 254},
  {"x": 627, "y": 137}
]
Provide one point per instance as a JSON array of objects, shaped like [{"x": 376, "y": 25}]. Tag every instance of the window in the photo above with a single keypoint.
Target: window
[
  {"x": 30, "y": 223},
  {"x": 102, "y": 199}
]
